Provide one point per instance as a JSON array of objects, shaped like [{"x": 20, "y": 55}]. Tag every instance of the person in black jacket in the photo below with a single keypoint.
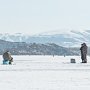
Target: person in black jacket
[
  {"x": 84, "y": 52},
  {"x": 7, "y": 57}
]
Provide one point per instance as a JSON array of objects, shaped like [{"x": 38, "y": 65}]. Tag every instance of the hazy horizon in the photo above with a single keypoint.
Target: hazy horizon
[{"x": 52, "y": 32}]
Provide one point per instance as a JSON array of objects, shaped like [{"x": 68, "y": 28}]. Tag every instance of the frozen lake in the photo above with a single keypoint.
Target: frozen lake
[{"x": 45, "y": 73}]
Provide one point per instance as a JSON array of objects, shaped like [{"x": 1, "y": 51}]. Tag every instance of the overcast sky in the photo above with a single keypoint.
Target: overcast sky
[{"x": 37, "y": 16}]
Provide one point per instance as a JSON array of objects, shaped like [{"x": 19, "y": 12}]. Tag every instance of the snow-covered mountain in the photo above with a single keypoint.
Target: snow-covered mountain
[{"x": 68, "y": 39}]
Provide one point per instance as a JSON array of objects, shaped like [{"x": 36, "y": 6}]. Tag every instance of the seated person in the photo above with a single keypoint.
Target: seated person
[{"x": 7, "y": 58}]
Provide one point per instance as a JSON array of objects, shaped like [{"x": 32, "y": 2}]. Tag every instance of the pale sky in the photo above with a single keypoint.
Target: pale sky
[{"x": 37, "y": 16}]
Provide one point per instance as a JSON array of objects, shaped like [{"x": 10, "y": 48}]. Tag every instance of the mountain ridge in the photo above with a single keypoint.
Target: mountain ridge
[{"x": 68, "y": 39}]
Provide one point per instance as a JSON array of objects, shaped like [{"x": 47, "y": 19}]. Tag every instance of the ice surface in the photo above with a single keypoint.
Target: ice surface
[{"x": 45, "y": 73}]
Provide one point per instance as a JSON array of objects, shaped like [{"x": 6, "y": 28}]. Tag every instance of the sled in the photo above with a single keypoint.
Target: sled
[
  {"x": 5, "y": 62},
  {"x": 73, "y": 60}
]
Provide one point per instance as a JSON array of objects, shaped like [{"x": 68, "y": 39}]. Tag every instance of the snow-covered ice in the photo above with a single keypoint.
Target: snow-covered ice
[{"x": 45, "y": 73}]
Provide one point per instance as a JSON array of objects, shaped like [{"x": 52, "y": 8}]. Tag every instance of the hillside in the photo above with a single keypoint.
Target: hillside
[{"x": 22, "y": 48}]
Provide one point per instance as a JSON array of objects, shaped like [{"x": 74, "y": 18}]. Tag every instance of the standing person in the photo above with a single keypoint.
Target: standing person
[
  {"x": 84, "y": 52},
  {"x": 7, "y": 59}
]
